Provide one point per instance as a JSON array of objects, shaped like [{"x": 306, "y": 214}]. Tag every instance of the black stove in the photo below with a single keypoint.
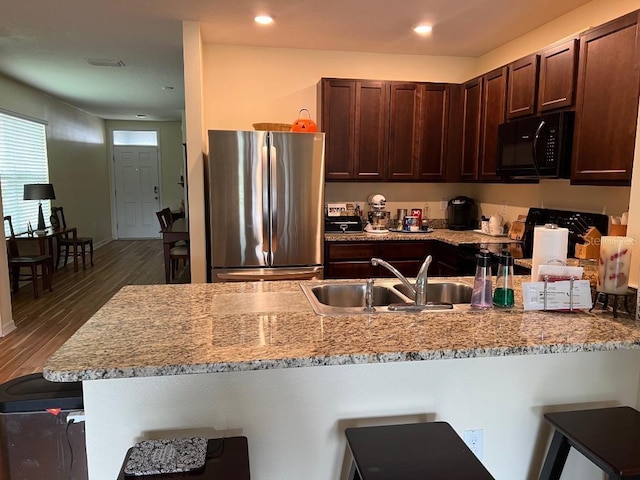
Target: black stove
[{"x": 576, "y": 222}]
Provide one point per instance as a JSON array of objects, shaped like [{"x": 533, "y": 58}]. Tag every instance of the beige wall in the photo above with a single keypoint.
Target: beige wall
[
  {"x": 245, "y": 85},
  {"x": 170, "y": 154},
  {"x": 78, "y": 163}
]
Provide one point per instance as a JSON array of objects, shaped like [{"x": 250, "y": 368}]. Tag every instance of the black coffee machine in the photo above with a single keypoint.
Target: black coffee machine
[{"x": 462, "y": 213}]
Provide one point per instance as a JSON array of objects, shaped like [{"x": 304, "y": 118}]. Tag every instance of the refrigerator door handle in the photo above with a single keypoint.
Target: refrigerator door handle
[
  {"x": 266, "y": 221},
  {"x": 274, "y": 201}
]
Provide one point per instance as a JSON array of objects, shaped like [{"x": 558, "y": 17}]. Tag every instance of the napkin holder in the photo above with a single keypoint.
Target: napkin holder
[{"x": 590, "y": 249}]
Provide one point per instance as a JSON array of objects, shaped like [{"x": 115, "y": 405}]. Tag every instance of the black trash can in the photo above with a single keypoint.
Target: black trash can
[{"x": 37, "y": 439}]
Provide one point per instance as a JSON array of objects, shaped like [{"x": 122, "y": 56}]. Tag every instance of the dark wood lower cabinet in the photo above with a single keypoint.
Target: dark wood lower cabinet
[{"x": 353, "y": 259}]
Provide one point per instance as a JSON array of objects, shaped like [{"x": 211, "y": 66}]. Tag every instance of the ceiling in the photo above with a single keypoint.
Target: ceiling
[{"x": 45, "y": 44}]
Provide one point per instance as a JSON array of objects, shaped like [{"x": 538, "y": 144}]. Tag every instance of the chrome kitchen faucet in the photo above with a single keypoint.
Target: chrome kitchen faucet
[{"x": 420, "y": 289}]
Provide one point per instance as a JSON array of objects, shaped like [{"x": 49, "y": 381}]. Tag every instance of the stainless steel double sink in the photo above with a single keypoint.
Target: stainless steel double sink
[{"x": 348, "y": 298}]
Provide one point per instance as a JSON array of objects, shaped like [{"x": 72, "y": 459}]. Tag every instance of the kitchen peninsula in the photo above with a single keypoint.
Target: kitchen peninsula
[{"x": 253, "y": 359}]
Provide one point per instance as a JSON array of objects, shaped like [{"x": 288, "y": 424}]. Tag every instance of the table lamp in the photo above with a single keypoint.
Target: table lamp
[{"x": 39, "y": 191}]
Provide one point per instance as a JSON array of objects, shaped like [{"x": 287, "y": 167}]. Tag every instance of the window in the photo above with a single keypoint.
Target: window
[
  {"x": 140, "y": 138},
  {"x": 23, "y": 159}
]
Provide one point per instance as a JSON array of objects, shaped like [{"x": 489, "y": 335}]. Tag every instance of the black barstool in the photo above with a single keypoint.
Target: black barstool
[
  {"x": 227, "y": 459},
  {"x": 609, "y": 437},
  {"x": 413, "y": 451}
]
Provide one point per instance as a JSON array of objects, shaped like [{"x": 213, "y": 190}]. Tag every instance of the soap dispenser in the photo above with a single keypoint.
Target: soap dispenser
[
  {"x": 481, "y": 295},
  {"x": 503, "y": 294}
]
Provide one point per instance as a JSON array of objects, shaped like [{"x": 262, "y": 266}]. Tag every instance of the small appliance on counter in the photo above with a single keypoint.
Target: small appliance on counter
[
  {"x": 462, "y": 213},
  {"x": 343, "y": 224},
  {"x": 378, "y": 216}
]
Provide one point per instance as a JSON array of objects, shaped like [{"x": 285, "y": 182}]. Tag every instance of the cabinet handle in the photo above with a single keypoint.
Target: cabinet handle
[
  {"x": 519, "y": 109},
  {"x": 550, "y": 102},
  {"x": 602, "y": 171}
]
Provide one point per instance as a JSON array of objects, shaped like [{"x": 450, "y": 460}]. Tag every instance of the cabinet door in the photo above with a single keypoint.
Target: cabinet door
[
  {"x": 493, "y": 114},
  {"x": 404, "y": 130},
  {"x": 434, "y": 132},
  {"x": 558, "y": 70},
  {"x": 523, "y": 83},
  {"x": 607, "y": 103},
  {"x": 337, "y": 120},
  {"x": 472, "y": 97},
  {"x": 371, "y": 123}
]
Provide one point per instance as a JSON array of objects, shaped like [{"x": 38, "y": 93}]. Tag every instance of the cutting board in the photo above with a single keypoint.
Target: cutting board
[{"x": 516, "y": 231}]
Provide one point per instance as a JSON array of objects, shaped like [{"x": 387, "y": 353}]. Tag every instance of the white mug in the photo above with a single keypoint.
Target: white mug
[
  {"x": 495, "y": 225},
  {"x": 484, "y": 226}
]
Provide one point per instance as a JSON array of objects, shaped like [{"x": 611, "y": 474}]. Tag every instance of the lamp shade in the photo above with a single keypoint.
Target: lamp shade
[{"x": 39, "y": 191}]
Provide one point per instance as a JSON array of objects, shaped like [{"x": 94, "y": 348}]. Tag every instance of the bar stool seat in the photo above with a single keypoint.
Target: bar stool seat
[
  {"x": 414, "y": 451},
  {"x": 227, "y": 459},
  {"x": 609, "y": 437}
]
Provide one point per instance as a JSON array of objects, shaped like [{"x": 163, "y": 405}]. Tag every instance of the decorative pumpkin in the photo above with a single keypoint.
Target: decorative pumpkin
[{"x": 304, "y": 125}]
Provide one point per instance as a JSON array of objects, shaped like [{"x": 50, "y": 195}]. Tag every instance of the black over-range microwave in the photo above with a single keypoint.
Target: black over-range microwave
[{"x": 538, "y": 147}]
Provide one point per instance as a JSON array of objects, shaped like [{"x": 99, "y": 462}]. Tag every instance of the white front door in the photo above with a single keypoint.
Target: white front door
[{"x": 137, "y": 191}]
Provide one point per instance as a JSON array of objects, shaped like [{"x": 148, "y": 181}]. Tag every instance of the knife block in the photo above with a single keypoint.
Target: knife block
[{"x": 591, "y": 248}]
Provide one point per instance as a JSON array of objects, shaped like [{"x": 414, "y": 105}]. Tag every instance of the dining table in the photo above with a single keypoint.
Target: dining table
[
  {"x": 45, "y": 241},
  {"x": 176, "y": 231}
]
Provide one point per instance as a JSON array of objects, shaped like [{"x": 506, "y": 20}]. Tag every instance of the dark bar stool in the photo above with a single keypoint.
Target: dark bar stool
[
  {"x": 413, "y": 451},
  {"x": 227, "y": 459},
  {"x": 609, "y": 437}
]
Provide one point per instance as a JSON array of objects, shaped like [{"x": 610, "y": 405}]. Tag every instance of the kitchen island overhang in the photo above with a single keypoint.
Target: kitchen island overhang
[{"x": 248, "y": 342}]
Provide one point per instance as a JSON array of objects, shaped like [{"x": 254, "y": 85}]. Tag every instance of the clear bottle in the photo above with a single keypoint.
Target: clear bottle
[
  {"x": 503, "y": 294},
  {"x": 481, "y": 295}
]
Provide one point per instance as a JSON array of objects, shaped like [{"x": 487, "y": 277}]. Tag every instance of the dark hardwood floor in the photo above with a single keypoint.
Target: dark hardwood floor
[{"x": 44, "y": 324}]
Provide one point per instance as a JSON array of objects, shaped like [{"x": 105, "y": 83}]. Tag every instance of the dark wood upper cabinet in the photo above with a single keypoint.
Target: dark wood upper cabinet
[
  {"x": 433, "y": 136},
  {"x": 471, "y": 109},
  {"x": 522, "y": 87},
  {"x": 558, "y": 76},
  {"x": 354, "y": 116},
  {"x": 607, "y": 103},
  {"x": 372, "y": 111},
  {"x": 493, "y": 114},
  {"x": 337, "y": 99},
  {"x": 405, "y": 109}
]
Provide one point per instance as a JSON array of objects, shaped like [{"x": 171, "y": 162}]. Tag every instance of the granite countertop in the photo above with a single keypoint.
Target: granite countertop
[
  {"x": 453, "y": 237},
  {"x": 160, "y": 330}
]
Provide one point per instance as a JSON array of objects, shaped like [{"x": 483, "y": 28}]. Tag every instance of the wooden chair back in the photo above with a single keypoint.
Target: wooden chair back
[
  {"x": 12, "y": 244},
  {"x": 58, "y": 221},
  {"x": 165, "y": 218}
]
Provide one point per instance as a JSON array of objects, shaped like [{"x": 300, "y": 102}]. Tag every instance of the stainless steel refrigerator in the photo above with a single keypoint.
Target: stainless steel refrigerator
[{"x": 265, "y": 195}]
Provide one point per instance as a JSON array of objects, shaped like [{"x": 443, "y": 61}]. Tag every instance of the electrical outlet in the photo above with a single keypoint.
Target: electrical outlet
[
  {"x": 473, "y": 439},
  {"x": 443, "y": 204},
  {"x": 504, "y": 207}
]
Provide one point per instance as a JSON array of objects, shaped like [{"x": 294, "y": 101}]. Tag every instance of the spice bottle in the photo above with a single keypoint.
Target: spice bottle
[
  {"x": 503, "y": 294},
  {"x": 481, "y": 295}
]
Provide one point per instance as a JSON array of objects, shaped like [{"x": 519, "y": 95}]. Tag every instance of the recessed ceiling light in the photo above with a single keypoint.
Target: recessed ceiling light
[
  {"x": 264, "y": 19},
  {"x": 423, "y": 29}
]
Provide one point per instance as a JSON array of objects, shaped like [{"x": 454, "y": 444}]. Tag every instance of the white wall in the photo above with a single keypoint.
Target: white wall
[
  {"x": 295, "y": 418},
  {"x": 195, "y": 135}
]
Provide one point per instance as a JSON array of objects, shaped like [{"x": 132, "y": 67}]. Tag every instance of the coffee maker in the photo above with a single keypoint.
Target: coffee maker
[{"x": 461, "y": 213}]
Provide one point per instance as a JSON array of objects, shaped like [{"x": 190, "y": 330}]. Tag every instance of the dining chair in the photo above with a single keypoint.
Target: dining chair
[
  {"x": 180, "y": 249},
  {"x": 65, "y": 240},
  {"x": 165, "y": 218},
  {"x": 18, "y": 261}
]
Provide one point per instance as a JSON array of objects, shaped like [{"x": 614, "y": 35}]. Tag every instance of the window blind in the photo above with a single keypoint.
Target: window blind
[{"x": 23, "y": 159}]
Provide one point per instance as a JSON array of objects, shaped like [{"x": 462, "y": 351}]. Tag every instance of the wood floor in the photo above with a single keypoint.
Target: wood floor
[{"x": 44, "y": 324}]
